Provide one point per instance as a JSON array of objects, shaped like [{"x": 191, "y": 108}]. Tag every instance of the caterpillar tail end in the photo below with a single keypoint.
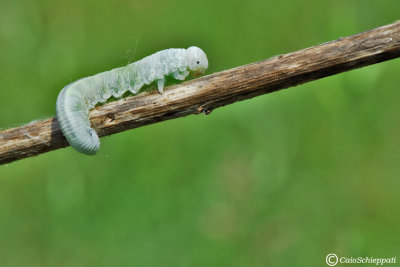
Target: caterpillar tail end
[
  {"x": 87, "y": 147},
  {"x": 82, "y": 138},
  {"x": 74, "y": 122}
]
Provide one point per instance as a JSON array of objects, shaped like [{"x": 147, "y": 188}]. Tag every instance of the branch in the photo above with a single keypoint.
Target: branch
[{"x": 204, "y": 94}]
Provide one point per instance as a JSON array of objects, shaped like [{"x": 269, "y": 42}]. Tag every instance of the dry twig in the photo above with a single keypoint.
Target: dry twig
[{"x": 204, "y": 94}]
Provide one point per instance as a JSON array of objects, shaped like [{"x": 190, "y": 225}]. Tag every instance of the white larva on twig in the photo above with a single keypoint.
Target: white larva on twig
[{"x": 76, "y": 99}]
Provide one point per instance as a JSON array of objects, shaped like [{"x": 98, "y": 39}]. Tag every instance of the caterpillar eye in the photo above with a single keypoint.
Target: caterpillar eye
[{"x": 198, "y": 62}]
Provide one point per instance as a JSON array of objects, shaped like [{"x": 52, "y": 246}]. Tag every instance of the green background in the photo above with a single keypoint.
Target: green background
[{"x": 279, "y": 180}]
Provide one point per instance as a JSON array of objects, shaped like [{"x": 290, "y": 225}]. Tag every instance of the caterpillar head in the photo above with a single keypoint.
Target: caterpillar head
[{"x": 196, "y": 60}]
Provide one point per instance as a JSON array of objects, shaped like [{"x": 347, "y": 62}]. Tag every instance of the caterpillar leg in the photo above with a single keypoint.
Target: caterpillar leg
[
  {"x": 160, "y": 85},
  {"x": 179, "y": 75}
]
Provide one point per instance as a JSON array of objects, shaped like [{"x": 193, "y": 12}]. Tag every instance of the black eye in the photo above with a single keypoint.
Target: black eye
[{"x": 198, "y": 62}]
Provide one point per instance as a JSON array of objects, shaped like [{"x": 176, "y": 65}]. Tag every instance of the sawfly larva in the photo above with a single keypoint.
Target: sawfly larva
[{"x": 76, "y": 99}]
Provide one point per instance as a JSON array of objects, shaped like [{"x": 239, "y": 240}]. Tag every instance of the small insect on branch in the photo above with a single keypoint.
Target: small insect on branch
[{"x": 204, "y": 94}]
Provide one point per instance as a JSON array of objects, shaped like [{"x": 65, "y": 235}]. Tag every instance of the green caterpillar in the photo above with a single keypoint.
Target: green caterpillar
[{"x": 76, "y": 99}]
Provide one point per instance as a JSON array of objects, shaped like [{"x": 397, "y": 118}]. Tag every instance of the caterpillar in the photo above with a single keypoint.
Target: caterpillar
[{"x": 77, "y": 98}]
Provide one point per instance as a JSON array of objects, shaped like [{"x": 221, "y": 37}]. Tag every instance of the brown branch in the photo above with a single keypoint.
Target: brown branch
[{"x": 207, "y": 93}]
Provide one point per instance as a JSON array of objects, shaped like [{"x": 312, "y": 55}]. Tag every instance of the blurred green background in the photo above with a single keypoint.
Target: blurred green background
[{"x": 279, "y": 180}]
